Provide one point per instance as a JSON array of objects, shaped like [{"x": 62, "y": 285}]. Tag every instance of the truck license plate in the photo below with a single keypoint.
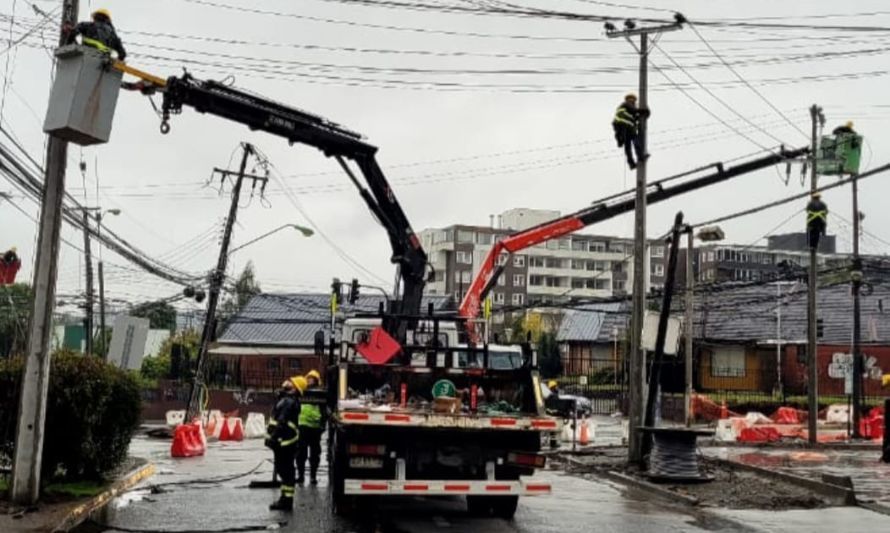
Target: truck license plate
[{"x": 365, "y": 462}]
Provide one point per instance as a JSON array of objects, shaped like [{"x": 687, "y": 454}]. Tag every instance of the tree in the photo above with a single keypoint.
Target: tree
[
  {"x": 160, "y": 314},
  {"x": 15, "y": 307},
  {"x": 542, "y": 329},
  {"x": 246, "y": 287},
  {"x": 160, "y": 365}
]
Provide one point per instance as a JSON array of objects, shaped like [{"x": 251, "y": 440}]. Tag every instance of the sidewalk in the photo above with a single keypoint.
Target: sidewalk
[{"x": 871, "y": 477}]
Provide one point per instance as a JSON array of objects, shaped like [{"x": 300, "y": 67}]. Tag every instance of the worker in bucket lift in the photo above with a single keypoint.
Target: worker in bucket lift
[
  {"x": 817, "y": 219},
  {"x": 626, "y": 125},
  {"x": 313, "y": 419},
  {"x": 845, "y": 128},
  {"x": 282, "y": 437},
  {"x": 99, "y": 33}
]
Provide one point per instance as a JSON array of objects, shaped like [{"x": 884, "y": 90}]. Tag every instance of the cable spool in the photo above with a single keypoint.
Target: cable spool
[{"x": 674, "y": 455}]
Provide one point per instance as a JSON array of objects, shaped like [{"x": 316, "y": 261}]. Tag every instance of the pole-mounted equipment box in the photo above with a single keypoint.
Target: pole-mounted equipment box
[{"x": 84, "y": 96}]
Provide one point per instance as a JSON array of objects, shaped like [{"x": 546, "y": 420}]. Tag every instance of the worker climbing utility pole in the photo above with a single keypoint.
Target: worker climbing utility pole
[
  {"x": 636, "y": 388},
  {"x": 217, "y": 277},
  {"x": 813, "y": 234},
  {"x": 35, "y": 379}
]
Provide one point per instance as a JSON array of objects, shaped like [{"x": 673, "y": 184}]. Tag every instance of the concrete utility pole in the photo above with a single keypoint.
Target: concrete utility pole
[
  {"x": 856, "y": 278},
  {"x": 637, "y": 385},
  {"x": 88, "y": 306},
  {"x": 27, "y": 459},
  {"x": 690, "y": 286},
  {"x": 217, "y": 277},
  {"x": 812, "y": 347},
  {"x": 102, "y": 332}
]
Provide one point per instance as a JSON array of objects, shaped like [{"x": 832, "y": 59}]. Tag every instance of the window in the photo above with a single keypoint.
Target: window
[
  {"x": 658, "y": 270},
  {"x": 597, "y": 247},
  {"x": 518, "y": 299},
  {"x": 273, "y": 365},
  {"x": 658, "y": 251},
  {"x": 502, "y": 281},
  {"x": 565, "y": 244},
  {"x": 617, "y": 267},
  {"x": 463, "y": 258},
  {"x": 502, "y": 259},
  {"x": 462, "y": 276},
  {"x": 579, "y": 246},
  {"x": 465, "y": 236},
  {"x": 518, "y": 280},
  {"x": 458, "y": 296},
  {"x": 498, "y": 297},
  {"x": 598, "y": 284},
  {"x": 728, "y": 362},
  {"x": 535, "y": 262},
  {"x": 294, "y": 363},
  {"x": 536, "y": 281},
  {"x": 578, "y": 283},
  {"x": 618, "y": 285},
  {"x": 600, "y": 266},
  {"x": 519, "y": 261},
  {"x": 552, "y": 245},
  {"x": 710, "y": 257},
  {"x": 616, "y": 247},
  {"x": 578, "y": 264},
  {"x": 483, "y": 238},
  {"x": 443, "y": 236},
  {"x": 767, "y": 259},
  {"x": 551, "y": 262}
]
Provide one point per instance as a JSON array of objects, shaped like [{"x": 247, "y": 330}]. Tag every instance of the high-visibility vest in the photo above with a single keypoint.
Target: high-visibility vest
[
  {"x": 310, "y": 416},
  {"x": 99, "y": 45}
]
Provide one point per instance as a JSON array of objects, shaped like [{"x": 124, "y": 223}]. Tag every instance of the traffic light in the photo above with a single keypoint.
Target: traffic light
[
  {"x": 337, "y": 290},
  {"x": 353, "y": 292}
]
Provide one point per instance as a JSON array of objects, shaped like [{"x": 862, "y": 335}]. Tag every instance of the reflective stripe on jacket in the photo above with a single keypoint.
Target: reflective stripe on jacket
[{"x": 310, "y": 416}]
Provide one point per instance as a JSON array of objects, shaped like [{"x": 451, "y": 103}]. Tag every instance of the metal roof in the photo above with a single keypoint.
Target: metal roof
[
  {"x": 271, "y": 319},
  {"x": 593, "y": 323}
]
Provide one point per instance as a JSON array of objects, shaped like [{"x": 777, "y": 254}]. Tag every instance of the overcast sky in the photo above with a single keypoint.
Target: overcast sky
[{"x": 473, "y": 115}]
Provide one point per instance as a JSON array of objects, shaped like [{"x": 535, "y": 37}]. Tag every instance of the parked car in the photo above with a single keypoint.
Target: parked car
[{"x": 566, "y": 404}]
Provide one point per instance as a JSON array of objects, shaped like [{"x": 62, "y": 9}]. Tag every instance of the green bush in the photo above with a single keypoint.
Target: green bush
[{"x": 92, "y": 412}]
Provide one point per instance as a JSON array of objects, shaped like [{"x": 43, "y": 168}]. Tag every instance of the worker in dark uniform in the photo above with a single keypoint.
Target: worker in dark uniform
[
  {"x": 99, "y": 34},
  {"x": 626, "y": 125},
  {"x": 817, "y": 220},
  {"x": 313, "y": 419},
  {"x": 9, "y": 266},
  {"x": 282, "y": 437}
]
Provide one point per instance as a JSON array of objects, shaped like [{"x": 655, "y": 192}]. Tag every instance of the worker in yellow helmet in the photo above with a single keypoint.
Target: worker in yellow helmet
[
  {"x": 98, "y": 33},
  {"x": 626, "y": 125},
  {"x": 845, "y": 128},
  {"x": 282, "y": 436},
  {"x": 313, "y": 419}
]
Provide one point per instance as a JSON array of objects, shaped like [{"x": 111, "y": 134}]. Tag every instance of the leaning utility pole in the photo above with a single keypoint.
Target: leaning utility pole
[
  {"x": 856, "y": 279},
  {"x": 690, "y": 328},
  {"x": 217, "y": 277},
  {"x": 27, "y": 459},
  {"x": 88, "y": 306},
  {"x": 812, "y": 348},
  {"x": 637, "y": 380}
]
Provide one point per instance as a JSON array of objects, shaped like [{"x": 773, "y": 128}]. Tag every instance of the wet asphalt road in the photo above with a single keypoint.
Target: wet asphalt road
[{"x": 577, "y": 505}]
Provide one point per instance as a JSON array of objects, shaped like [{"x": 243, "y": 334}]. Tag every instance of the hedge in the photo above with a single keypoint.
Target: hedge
[{"x": 92, "y": 412}]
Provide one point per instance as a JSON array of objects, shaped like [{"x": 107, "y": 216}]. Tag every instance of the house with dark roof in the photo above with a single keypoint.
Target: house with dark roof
[
  {"x": 274, "y": 337},
  {"x": 748, "y": 338},
  {"x": 590, "y": 338}
]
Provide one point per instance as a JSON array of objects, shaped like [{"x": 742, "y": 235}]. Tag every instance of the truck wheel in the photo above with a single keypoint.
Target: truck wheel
[
  {"x": 504, "y": 506},
  {"x": 341, "y": 504},
  {"x": 479, "y": 505}
]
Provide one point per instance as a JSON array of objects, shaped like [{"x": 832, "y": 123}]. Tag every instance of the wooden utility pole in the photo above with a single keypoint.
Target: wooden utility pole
[
  {"x": 812, "y": 346},
  {"x": 27, "y": 459},
  {"x": 88, "y": 305},
  {"x": 637, "y": 387},
  {"x": 690, "y": 329},
  {"x": 217, "y": 277}
]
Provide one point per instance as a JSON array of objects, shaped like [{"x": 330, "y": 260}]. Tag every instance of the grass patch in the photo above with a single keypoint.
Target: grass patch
[{"x": 75, "y": 489}]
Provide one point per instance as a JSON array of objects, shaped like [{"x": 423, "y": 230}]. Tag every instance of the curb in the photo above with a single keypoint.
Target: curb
[
  {"x": 876, "y": 507},
  {"x": 649, "y": 487},
  {"x": 80, "y": 513},
  {"x": 841, "y": 495}
]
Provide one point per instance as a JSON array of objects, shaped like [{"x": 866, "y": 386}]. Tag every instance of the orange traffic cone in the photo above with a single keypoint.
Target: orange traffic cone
[
  {"x": 584, "y": 438},
  {"x": 224, "y": 433},
  {"x": 724, "y": 411},
  {"x": 237, "y": 432},
  {"x": 210, "y": 427}
]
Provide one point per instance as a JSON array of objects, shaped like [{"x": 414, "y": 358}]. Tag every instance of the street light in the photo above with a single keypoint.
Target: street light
[
  {"x": 304, "y": 230},
  {"x": 705, "y": 234},
  {"x": 102, "y": 334}
]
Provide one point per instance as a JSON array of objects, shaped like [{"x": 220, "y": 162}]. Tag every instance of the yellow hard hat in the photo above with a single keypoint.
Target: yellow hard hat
[
  {"x": 816, "y": 194},
  {"x": 552, "y": 384},
  {"x": 13, "y": 249},
  {"x": 849, "y": 124},
  {"x": 630, "y": 96},
  {"x": 885, "y": 380},
  {"x": 102, "y": 11},
  {"x": 300, "y": 383},
  {"x": 313, "y": 374}
]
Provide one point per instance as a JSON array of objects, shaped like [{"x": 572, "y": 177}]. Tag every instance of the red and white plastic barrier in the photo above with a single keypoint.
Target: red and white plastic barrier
[
  {"x": 255, "y": 426},
  {"x": 232, "y": 429},
  {"x": 188, "y": 441}
]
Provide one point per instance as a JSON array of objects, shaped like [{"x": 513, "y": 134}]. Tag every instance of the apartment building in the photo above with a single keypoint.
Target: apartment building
[{"x": 557, "y": 271}]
